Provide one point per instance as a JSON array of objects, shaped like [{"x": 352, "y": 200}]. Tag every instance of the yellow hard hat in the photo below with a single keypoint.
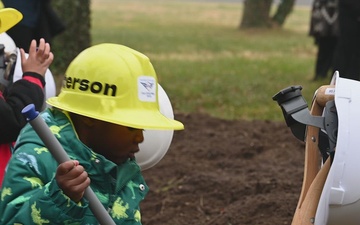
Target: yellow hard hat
[
  {"x": 9, "y": 17},
  {"x": 116, "y": 84}
]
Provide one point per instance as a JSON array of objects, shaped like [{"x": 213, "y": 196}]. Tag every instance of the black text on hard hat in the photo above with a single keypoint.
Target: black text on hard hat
[{"x": 95, "y": 87}]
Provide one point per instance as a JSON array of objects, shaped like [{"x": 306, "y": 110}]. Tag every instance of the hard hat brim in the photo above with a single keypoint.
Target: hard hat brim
[
  {"x": 140, "y": 119},
  {"x": 9, "y": 17}
]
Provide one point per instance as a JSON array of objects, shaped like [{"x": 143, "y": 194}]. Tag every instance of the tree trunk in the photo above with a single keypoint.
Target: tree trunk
[
  {"x": 75, "y": 38},
  {"x": 256, "y": 14},
  {"x": 284, "y": 9}
]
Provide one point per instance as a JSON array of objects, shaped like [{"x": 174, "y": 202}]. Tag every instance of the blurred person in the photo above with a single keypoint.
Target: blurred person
[
  {"x": 347, "y": 56},
  {"x": 324, "y": 28},
  {"x": 14, "y": 95},
  {"x": 40, "y": 21},
  {"x": 109, "y": 97}
]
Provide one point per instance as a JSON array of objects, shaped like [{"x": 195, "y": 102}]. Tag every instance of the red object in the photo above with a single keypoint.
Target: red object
[
  {"x": 5, "y": 154},
  {"x": 33, "y": 80}
]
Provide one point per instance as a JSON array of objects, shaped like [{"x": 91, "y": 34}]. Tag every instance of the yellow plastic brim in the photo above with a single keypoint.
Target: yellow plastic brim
[
  {"x": 9, "y": 17},
  {"x": 140, "y": 119}
]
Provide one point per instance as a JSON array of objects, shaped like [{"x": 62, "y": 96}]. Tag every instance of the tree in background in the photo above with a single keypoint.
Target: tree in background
[
  {"x": 75, "y": 38},
  {"x": 257, "y": 13}
]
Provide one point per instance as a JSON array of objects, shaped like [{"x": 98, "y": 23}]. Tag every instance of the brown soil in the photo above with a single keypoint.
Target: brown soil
[{"x": 222, "y": 172}]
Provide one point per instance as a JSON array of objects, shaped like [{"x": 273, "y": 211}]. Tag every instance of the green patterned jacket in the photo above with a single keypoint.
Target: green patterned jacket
[{"x": 30, "y": 194}]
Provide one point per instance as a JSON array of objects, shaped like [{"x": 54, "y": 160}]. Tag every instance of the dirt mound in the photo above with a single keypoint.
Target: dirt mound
[{"x": 226, "y": 172}]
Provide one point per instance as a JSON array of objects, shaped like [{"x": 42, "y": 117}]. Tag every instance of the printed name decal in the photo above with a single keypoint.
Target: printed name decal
[{"x": 95, "y": 87}]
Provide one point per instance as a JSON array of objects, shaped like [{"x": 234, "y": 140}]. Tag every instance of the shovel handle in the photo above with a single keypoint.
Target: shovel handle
[
  {"x": 324, "y": 94},
  {"x": 314, "y": 176}
]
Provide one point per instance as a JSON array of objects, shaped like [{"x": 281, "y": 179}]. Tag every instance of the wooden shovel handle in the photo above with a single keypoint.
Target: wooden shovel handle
[
  {"x": 324, "y": 94},
  {"x": 314, "y": 177}
]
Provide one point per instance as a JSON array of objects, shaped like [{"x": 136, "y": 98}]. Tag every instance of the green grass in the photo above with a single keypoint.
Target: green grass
[{"x": 204, "y": 62}]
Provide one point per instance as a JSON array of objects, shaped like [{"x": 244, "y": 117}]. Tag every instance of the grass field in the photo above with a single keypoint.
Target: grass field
[{"x": 204, "y": 62}]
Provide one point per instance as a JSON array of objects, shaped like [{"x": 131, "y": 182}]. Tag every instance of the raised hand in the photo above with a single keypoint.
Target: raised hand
[{"x": 39, "y": 58}]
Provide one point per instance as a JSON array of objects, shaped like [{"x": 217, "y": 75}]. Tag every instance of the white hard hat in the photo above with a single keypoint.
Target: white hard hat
[
  {"x": 156, "y": 142},
  {"x": 339, "y": 202},
  {"x": 9, "y": 43},
  {"x": 7, "y": 59}
]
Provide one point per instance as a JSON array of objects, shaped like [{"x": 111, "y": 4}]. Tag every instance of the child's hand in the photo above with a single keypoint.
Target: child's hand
[
  {"x": 39, "y": 59},
  {"x": 72, "y": 179}
]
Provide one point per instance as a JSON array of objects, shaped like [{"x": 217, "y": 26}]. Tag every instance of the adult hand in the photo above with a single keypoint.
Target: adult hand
[
  {"x": 39, "y": 58},
  {"x": 72, "y": 179}
]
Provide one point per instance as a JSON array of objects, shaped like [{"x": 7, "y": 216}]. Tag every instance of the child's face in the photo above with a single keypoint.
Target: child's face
[{"x": 117, "y": 143}]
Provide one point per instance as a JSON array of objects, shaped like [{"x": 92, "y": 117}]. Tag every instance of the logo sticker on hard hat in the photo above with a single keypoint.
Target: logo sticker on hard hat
[{"x": 147, "y": 89}]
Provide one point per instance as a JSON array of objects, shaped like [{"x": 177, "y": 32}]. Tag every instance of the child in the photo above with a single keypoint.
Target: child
[
  {"x": 109, "y": 97},
  {"x": 25, "y": 91}
]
